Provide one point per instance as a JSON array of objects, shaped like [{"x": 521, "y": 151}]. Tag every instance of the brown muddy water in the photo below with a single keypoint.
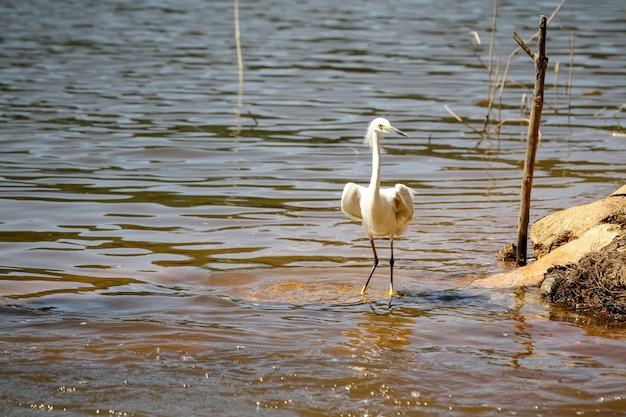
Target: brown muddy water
[{"x": 166, "y": 252}]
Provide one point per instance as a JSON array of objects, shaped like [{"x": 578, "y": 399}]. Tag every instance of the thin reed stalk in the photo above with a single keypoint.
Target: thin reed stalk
[
  {"x": 571, "y": 76},
  {"x": 491, "y": 44},
  {"x": 237, "y": 128},
  {"x": 239, "y": 57}
]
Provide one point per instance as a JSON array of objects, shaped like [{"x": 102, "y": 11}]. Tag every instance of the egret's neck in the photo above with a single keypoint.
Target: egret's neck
[{"x": 375, "y": 181}]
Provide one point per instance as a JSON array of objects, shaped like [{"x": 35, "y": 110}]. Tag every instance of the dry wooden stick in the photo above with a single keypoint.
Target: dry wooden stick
[
  {"x": 541, "y": 64},
  {"x": 523, "y": 45},
  {"x": 459, "y": 119}
]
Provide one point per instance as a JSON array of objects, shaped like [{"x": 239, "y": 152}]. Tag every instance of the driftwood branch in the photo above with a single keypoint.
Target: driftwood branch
[
  {"x": 541, "y": 64},
  {"x": 523, "y": 45},
  {"x": 460, "y": 120}
]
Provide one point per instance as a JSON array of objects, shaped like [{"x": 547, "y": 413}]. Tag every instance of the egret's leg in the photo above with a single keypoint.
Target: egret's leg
[
  {"x": 391, "y": 293},
  {"x": 373, "y": 267}
]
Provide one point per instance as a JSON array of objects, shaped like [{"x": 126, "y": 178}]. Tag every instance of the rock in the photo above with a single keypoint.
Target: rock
[
  {"x": 594, "y": 239},
  {"x": 548, "y": 284},
  {"x": 508, "y": 253},
  {"x": 564, "y": 226},
  {"x": 564, "y": 237}
]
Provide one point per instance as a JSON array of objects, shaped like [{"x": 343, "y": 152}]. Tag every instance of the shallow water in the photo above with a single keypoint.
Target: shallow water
[{"x": 165, "y": 251}]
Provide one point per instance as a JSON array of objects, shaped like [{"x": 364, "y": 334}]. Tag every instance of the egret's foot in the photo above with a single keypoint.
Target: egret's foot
[
  {"x": 363, "y": 290},
  {"x": 391, "y": 292}
]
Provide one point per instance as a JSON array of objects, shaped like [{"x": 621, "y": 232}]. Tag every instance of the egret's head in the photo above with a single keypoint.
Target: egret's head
[{"x": 379, "y": 126}]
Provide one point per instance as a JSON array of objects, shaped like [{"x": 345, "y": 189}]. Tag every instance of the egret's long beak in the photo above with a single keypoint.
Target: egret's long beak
[{"x": 397, "y": 131}]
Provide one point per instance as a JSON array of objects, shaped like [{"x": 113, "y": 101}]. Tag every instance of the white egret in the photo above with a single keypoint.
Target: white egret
[{"x": 383, "y": 212}]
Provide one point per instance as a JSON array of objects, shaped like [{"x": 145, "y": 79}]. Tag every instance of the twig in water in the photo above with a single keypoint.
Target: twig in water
[
  {"x": 493, "y": 36},
  {"x": 256, "y": 122},
  {"x": 459, "y": 119},
  {"x": 571, "y": 76},
  {"x": 615, "y": 116},
  {"x": 557, "y": 68},
  {"x": 476, "y": 38},
  {"x": 492, "y": 95},
  {"x": 239, "y": 57},
  {"x": 237, "y": 131},
  {"x": 453, "y": 114},
  {"x": 599, "y": 112},
  {"x": 523, "y": 107}
]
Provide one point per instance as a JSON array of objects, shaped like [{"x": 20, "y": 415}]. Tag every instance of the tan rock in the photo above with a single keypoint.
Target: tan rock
[
  {"x": 594, "y": 239},
  {"x": 564, "y": 226},
  {"x": 565, "y": 237}
]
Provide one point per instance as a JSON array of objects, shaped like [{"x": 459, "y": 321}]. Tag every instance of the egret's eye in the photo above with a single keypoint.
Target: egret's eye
[{"x": 381, "y": 126}]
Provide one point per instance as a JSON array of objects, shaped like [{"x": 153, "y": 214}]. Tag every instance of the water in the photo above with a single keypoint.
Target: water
[{"x": 165, "y": 251}]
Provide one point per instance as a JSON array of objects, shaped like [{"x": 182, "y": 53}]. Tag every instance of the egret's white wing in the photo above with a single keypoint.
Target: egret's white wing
[
  {"x": 351, "y": 201},
  {"x": 403, "y": 206}
]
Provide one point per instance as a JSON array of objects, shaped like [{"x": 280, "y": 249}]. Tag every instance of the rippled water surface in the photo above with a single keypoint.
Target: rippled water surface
[{"x": 171, "y": 244}]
